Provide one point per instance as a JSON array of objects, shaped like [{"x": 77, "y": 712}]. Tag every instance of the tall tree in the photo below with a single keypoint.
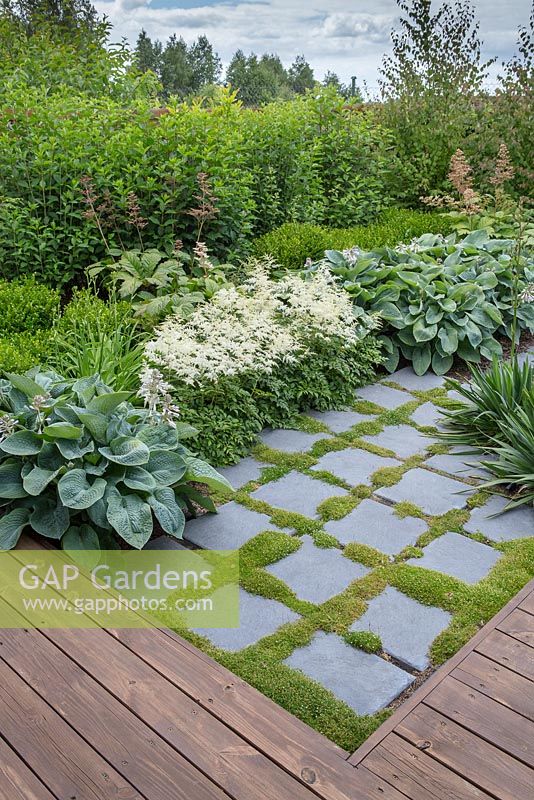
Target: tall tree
[
  {"x": 147, "y": 54},
  {"x": 72, "y": 16},
  {"x": 301, "y": 75},
  {"x": 205, "y": 63},
  {"x": 176, "y": 73}
]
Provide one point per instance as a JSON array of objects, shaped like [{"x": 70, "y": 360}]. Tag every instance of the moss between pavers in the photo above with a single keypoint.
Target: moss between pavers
[{"x": 470, "y": 606}]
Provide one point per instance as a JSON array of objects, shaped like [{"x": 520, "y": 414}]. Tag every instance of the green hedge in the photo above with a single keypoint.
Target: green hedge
[{"x": 291, "y": 244}]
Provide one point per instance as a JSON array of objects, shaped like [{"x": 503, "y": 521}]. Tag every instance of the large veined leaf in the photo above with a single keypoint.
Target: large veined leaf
[
  {"x": 11, "y": 527},
  {"x": 75, "y": 448},
  {"x": 50, "y": 518},
  {"x": 22, "y": 443},
  {"x": 126, "y": 450},
  {"x": 97, "y": 513},
  {"x": 50, "y": 457},
  {"x": 83, "y": 539},
  {"x": 421, "y": 358},
  {"x": 166, "y": 467},
  {"x": 441, "y": 364},
  {"x": 76, "y": 492},
  {"x": 37, "y": 479},
  {"x": 202, "y": 472},
  {"x": 62, "y": 430},
  {"x": 423, "y": 332},
  {"x": 25, "y": 385},
  {"x": 158, "y": 437},
  {"x": 106, "y": 403},
  {"x": 448, "y": 336},
  {"x": 139, "y": 479},
  {"x": 167, "y": 511},
  {"x": 11, "y": 486},
  {"x": 131, "y": 517},
  {"x": 96, "y": 424}
]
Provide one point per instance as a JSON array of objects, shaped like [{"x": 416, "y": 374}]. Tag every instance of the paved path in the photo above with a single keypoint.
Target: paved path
[{"x": 386, "y": 494}]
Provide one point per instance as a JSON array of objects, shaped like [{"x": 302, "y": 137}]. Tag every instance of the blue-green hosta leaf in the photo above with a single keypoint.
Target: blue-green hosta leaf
[
  {"x": 139, "y": 479},
  {"x": 74, "y": 448},
  {"x": 474, "y": 333},
  {"x": 50, "y": 457},
  {"x": 131, "y": 517},
  {"x": 421, "y": 357},
  {"x": 476, "y": 238},
  {"x": 441, "y": 364},
  {"x": 126, "y": 450},
  {"x": 166, "y": 467},
  {"x": 106, "y": 403},
  {"x": 490, "y": 348},
  {"x": 82, "y": 538},
  {"x": 167, "y": 511},
  {"x": 434, "y": 314},
  {"x": 487, "y": 280},
  {"x": 37, "y": 479},
  {"x": 24, "y": 384},
  {"x": 202, "y": 472},
  {"x": 423, "y": 332},
  {"x": 389, "y": 312},
  {"x": 11, "y": 527},
  {"x": 22, "y": 443},
  {"x": 50, "y": 518},
  {"x": 98, "y": 468},
  {"x": 158, "y": 437},
  {"x": 11, "y": 486},
  {"x": 468, "y": 352},
  {"x": 62, "y": 430},
  {"x": 448, "y": 337},
  {"x": 76, "y": 492},
  {"x": 97, "y": 513},
  {"x": 96, "y": 424}
]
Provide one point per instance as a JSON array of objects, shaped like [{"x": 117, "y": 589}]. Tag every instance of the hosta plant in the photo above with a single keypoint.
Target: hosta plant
[
  {"x": 81, "y": 465},
  {"x": 440, "y": 298}
]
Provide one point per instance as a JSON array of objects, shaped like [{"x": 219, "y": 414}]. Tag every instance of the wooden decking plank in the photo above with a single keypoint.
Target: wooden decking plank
[
  {"x": 519, "y": 625},
  {"x": 145, "y": 760},
  {"x": 488, "y": 767},
  {"x": 498, "y": 682},
  {"x": 279, "y": 735},
  {"x": 510, "y": 652},
  {"x": 528, "y": 604},
  {"x": 485, "y": 717},
  {"x": 215, "y": 749},
  {"x": 17, "y": 781},
  {"x": 417, "y": 775},
  {"x": 60, "y": 758}
]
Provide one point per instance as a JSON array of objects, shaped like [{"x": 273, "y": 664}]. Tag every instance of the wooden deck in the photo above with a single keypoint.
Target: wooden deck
[{"x": 101, "y": 714}]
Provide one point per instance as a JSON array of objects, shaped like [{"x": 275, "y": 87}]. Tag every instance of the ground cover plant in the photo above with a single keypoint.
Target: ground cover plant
[{"x": 82, "y": 465}]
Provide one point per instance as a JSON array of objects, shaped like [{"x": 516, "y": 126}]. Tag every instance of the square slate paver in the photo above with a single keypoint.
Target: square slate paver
[
  {"x": 258, "y": 617},
  {"x": 456, "y": 555},
  {"x": 428, "y": 415},
  {"x": 406, "y": 628},
  {"x": 297, "y": 492},
  {"x": 363, "y": 681},
  {"x": 523, "y": 358},
  {"x": 403, "y": 440},
  {"x": 461, "y": 465},
  {"x": 340, "y": 421},
  {"x": 515, "y": 524},
  {"x": 290, "y": 441},
  {"x": 248, "y": 469},
  {"x": 383, "y": 396},
  {"x": 431, "y": 492},
  {"x": 229, "y": 529},
  {"x": 301, "y": 571},
  {"x": 353, "y": 466},
  {"x": 408, "y": 379},
  {"x": 375, "y": 525}
]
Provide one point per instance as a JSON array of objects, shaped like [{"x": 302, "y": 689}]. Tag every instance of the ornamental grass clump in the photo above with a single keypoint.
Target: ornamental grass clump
[{"x": 258, "y": 354}]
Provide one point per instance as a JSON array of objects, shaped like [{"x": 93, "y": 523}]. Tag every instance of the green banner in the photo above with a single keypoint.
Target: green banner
[{"x": 119, "y": 589}]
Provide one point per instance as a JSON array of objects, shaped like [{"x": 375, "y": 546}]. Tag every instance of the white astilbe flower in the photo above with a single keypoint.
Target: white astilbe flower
[{"x": 255, "y": 328}]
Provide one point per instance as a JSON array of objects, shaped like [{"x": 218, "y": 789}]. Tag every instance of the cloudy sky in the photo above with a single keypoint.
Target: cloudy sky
[{"x": 348, "y": 37}]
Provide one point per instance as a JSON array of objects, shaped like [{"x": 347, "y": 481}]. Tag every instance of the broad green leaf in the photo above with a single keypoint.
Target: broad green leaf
[
  {"x": 97, "y": 513},
  {"x": 25, "y": 385},
  {"x": 158, "y": 437},
  {"x": 11, "y": 486},
  {"x": 83, "y": 538},
  {"x": 74, "y": 448},
  {"x": 487, "y": 280},
  {"x": 126, "y": 450},
  {"x": 139, "y": 479},
  {"x": 421, "y": 359},
  {"x": 441, "y": 364},
  {"x": 22, "y": 443},
  {"x": 131, "y": 517},
  {"x": 50, "y": 518},
  {"x": 434, "y": 314},
  {"x": 50, "y": 457},
  {"x": 423, "y": 332},
  {"x": 62, "y": 430},
  {"x": 448, "y": 337},
  {"x": 37, "y": 479},
  {"x": 76, "y": 492},
  {"x": 11, "y": 527},
  {"x": 490, "y": 348},
  {"x": 202, "y": 472},
  {"x": 167, "y": 512},
  {"x": 96, "y": 424},
  {"x": 166, "y": 467},
  {"x": 106, "y": 403}
]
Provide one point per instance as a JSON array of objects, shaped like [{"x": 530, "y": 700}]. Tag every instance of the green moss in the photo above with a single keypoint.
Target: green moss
[
  {"x": 365, "y": 555},
  {"x": 365, "y": 640},
  {"x": 405, "y": 509},
  {"x": 266, "y": 548},
  {"x": 337, "y": 507}
]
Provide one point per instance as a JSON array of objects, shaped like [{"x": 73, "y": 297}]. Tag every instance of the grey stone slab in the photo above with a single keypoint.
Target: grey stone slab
[
  {"x": 433, "y": 493},
  {"x": 515, "y": 524},
  {"x": 460, "y": 462},
  {"x": 363, "y": 681},
  {"x": 428, "y": 415},
  {"x": 297, "y": 492},
  {"x": 258, "y": 617},
  {"x": 375, "y": 525},
  {"x": 456, "y": 555},
  {"x": 315, "y": 574},
  {"x": 406, "y": 627},
  {"x": 353, "y": 465},
  {"x": 229, "y": 529},
  {"x": 290, "y": 441},
  {"x": 526, "y": 357},
  {"x": 248, "y": 469},
  {"x": 383, "y": 396},
  {"x": 164, "y": 543},
  {"x": 340, "y": 421},
  {"x": 403, "y": 440},
  {"x": 408, "y": 379}
]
